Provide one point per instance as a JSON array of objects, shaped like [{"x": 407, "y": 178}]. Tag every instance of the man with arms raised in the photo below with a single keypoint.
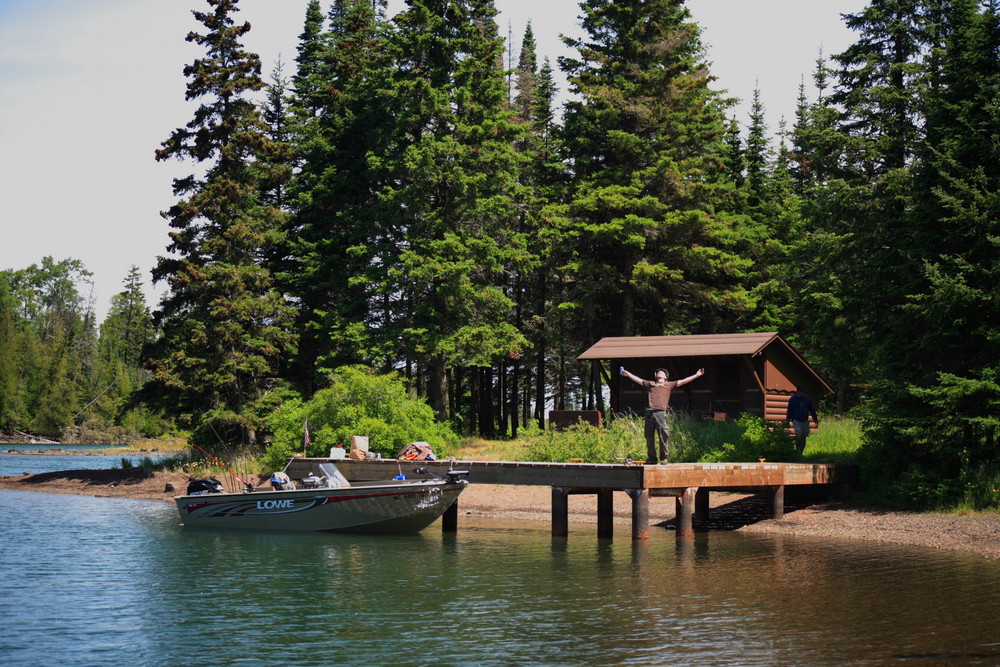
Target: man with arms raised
[{"x": 658, "y": 395}]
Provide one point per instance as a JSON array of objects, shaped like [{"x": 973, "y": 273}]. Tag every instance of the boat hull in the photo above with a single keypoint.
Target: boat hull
[{"x": 384, "y": 508}]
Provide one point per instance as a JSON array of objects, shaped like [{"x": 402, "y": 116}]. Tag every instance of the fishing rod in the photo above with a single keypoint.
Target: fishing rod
[{"x": 232, "y": 472}]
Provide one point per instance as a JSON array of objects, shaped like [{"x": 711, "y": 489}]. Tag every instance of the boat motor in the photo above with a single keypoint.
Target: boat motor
[{"x": 197, "y": 487}]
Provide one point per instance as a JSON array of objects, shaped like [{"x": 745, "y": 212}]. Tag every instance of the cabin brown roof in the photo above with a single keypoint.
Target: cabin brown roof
[{"x": 633, "y": 347}]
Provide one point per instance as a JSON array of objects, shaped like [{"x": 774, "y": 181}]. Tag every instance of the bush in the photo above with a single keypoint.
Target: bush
[
  {"x": 758, "y": 439},
  {"x": 622, "y": 439},
  {"x": 358, "y": 402}
]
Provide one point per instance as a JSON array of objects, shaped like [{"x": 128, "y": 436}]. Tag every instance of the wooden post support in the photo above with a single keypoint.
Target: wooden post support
[
  {"x": 778, "y": 502},
  {"x": 449, "y": 520},
  {"x": 640, "y": 513},
  {"x": 605, "y": 514},
  {"x": 560, "y": 511},
  {"x": 685, "y": 512},
  {"x": 701, "y": 504}
]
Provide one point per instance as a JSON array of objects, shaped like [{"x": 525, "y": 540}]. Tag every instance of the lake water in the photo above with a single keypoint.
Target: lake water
[
  {"x": 18, "y": 464},
  {"x": 93, "y": 581}
]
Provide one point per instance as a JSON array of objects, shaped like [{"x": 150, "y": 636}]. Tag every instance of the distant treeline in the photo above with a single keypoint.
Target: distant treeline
[
  {"x": 402, "y": 200},
  {"x": 61, "y": 374}
]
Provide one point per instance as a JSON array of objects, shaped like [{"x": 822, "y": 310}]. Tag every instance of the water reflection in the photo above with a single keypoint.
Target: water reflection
[{"x": 90, "y": 580}]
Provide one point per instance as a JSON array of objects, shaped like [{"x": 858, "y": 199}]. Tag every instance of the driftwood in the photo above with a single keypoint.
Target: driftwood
[{"x": 36, "y": 440}]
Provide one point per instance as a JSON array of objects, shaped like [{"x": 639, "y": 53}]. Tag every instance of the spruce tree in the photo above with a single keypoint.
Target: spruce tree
[
  {"x": 645, "y": 140},
  {"x": 342, "y": 245},
  {"x": 454, "y": 197},
  {"x": 935, "y": 432},
  {"x": 758, "y": 152},
  {"x": 224, "y": 329}
]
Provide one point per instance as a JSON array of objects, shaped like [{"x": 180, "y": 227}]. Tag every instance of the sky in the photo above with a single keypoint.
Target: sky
[{"x": 90, "y": 88}]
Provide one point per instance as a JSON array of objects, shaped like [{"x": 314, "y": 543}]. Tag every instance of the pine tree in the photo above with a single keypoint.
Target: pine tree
[
  {"x": 224, "y": 329},
  {"x": 646, "y": 145},
  {"x": 456, "y": 195},
  {"x": 938, "y": 382},
  {"x": 342, "y": 244}
]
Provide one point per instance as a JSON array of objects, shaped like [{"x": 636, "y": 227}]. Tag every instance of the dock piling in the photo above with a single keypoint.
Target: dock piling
[
  {"x": 560, "y": 511},
  {"x": 605, "y": 514}
]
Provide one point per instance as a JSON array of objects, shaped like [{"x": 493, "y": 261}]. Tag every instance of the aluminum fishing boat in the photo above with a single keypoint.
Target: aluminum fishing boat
[{"x": 325, "y": 501}]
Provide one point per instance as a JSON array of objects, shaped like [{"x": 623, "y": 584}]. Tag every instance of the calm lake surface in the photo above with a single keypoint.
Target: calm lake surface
[
  {"x": 18, "y": 464},
  {"x": 94, "y": 581}
]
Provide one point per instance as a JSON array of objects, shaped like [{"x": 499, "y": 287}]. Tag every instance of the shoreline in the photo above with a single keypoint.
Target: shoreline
[
  {"x": 124, "y": 450},
  {"x": 729, "y": 511}
]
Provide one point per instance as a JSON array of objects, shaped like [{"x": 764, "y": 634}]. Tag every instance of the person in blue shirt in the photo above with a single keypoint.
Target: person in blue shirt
[{"x": 800, "y": 409}]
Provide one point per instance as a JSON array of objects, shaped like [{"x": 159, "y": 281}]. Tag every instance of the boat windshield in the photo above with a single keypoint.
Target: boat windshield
[{"x": 334, "y": 478}]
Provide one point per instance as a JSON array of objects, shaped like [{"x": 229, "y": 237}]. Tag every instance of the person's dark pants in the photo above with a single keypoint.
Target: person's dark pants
[{"x": 656, "y": 422}]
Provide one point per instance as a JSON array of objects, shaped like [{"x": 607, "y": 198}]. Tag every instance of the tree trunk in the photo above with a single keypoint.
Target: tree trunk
[
  {"x": 540, "y": 358},
  {"x": 486, "y": 425},
  {"x": 515, "y": 368},
  {"x": 437, "y": 387},
  {"x": 596, "y": 366},
  {"x": 500, "y": 400},
  {"x": 473, "y": 400},
  {"x": 628, "y": 312}
]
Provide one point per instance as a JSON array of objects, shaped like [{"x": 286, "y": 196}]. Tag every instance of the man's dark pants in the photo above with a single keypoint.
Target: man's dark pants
[{"x": 656, "y": 422}]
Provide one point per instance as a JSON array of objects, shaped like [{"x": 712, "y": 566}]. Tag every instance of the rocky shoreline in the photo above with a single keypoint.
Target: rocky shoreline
[{"x": 746, "y": 513}]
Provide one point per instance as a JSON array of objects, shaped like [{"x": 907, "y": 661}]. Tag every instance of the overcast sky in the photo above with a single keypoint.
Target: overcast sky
[{"x": 89, "y": 89}]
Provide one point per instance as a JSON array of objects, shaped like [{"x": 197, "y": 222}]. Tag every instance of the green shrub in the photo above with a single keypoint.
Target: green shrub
[
  {"x": 622, "y": 439},
  {"x": 358, "y": 402}
]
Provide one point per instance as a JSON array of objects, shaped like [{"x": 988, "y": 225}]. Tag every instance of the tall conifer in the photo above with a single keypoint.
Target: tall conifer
[
  {"x": 342, "y": 244},
  {"x": 454, "y": 194},
  {"x": 645, "y": 141},
  {"x": 224, "y": 327}
]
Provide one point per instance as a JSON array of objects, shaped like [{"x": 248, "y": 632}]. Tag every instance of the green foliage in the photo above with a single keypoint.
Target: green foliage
[
  {"x": 649, "y": 235},
  {"x": 757, "y": 439},
  {"x": 746, "y": 439},
  {"x": 357, "y": 402},
  {"x": 224, "y": 329},
  {"x": 620, "y": 440}
]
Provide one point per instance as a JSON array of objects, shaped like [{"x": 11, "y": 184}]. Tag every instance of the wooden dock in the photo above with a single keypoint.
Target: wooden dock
[{"x": 689, "y": 483}]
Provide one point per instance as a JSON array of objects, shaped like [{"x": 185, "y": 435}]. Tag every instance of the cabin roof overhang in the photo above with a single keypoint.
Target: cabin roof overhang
[{"x": 706, "y": 345}]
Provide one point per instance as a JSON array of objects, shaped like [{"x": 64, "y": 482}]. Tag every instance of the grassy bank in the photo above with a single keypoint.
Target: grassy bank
[{"x": 748, "y": 439}]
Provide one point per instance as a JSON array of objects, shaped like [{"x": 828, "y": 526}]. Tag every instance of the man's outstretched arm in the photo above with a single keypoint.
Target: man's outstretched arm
[{"x": 698, "y": 374}]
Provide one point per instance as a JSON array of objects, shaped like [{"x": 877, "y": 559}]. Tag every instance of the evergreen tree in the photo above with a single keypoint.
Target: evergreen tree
[
  {"x": 341, "y": 248},
  {"x": 880, "y": 79},
  {"x": 540, "y": 177},
  {"x": 454, "y": 197},
  {"x": 758, "y": 153},
  {"x": 10, "y": 391},
  {"x": 646, "y": 143},
  {"x": 934, "y": 434},
  {"x": 308, "y": 81},
  {"x": 734, "y": 154},
  {"x": 224, "y": 327}
]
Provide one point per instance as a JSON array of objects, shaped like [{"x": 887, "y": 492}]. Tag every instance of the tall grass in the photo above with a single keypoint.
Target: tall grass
[
  {"x": 838, "y": 440},
  {"x": 747, "y": 439}
]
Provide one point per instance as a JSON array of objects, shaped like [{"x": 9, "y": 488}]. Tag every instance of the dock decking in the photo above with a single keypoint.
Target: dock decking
[{"x": 689, "y": 483}]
